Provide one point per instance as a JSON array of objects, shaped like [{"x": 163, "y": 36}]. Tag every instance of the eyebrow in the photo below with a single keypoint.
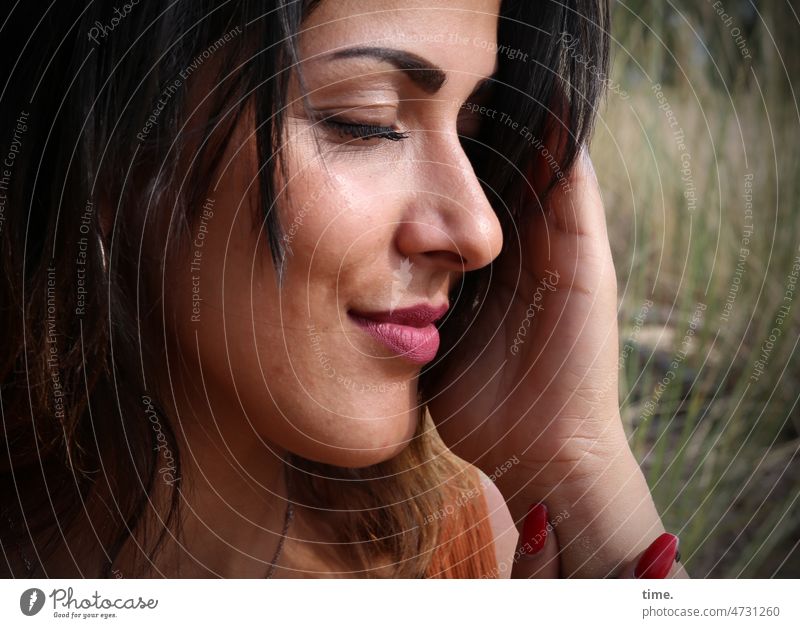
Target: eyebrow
[{"x": 423, "y": 73}]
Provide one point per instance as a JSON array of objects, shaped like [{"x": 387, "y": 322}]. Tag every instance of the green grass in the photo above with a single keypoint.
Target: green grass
[{"x": 720, "y": 450}]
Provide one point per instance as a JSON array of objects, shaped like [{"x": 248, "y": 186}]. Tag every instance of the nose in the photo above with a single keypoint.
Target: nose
[{"x": 448, "y": 223}]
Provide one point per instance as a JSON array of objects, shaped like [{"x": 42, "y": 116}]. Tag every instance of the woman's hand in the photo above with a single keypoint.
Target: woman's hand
[
  {"x": 535, "y": 379},
  {"x": 530, "y": 394},
  {"x": 660, "y": 560}
]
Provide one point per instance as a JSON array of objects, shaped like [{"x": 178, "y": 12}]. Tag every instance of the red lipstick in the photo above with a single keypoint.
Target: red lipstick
[{"x": 409, "y": 332}]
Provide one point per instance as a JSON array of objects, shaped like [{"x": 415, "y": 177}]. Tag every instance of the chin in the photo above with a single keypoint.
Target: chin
[
  {"x": 356, "y": 445},
  {"x": 355, "y": 459}
]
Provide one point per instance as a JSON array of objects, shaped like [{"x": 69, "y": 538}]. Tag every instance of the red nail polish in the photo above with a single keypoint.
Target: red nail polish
[
  {"x": 658, "y": 558},
  {"x": 534, "y": 529}
]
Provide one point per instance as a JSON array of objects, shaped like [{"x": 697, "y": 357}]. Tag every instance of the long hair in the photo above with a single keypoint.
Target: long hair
[{"x": 89, "y": 120}]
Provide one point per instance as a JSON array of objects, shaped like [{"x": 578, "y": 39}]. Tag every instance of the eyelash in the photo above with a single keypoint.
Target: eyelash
[{"x": 366, "y": 131}]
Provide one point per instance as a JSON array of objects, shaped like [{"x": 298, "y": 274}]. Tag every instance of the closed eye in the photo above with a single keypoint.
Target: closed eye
[{"x": 365, "y": 131}]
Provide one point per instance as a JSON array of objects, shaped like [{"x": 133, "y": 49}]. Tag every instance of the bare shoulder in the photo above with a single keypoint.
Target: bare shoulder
[{"x": 506, "y": 536}]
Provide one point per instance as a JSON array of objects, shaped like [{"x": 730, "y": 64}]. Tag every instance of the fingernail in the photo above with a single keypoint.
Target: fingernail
[
  {"x": 534, "y": 530},
  {"x": 658, "y": 558}
]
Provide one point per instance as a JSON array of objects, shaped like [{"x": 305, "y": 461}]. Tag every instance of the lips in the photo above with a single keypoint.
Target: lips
[{"x": 409, "y": 332}]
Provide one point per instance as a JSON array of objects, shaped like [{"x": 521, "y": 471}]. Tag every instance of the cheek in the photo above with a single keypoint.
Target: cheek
[
  {"x": 340, "y": 235},
  {"x": 284, "y": 358},
  {"x": 332, "y": 209}
]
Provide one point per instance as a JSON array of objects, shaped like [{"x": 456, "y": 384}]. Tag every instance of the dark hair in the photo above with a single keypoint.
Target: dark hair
[{"x": 94, "y": 139}]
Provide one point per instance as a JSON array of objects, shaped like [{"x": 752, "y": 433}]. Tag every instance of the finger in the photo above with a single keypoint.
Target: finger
[
  {"x": 574, "y": 200},
  {"x": 537, "y": 552},
  {"x": 573, "y": 214},
  {"x": 570, "y": 236},
  {"x": 575, "y": 204},
  {"x": 571, "y": 197},
  {"x": 660, "y": 560}
]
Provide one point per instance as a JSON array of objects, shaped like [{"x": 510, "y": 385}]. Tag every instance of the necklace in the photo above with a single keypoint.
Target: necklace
[{"x": 287, "y": 520}]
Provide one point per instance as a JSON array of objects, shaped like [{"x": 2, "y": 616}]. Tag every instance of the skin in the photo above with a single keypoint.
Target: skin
[
  {"x": 560, "y": 396},
  {"x": 275, "y": 368},
  {"x": 292, "y": 352},
  {"x": 280, "y": 368}
]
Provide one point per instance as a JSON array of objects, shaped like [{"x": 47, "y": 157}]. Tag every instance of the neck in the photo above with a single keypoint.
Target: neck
[{"x": 232, "y": 491}]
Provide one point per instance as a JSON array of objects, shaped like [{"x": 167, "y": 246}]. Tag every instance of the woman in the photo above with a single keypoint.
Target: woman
[{"x": 259, "y": 259}]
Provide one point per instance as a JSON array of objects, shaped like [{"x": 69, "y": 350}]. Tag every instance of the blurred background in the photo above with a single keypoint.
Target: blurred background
[{"x": 698, "y": 154}]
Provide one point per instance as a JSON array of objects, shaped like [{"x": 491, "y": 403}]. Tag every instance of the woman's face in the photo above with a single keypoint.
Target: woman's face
[{"x": 381, "y": 213}]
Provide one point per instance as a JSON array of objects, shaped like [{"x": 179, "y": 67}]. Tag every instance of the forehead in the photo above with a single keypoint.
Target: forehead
[{"x": 456, "y": 35}]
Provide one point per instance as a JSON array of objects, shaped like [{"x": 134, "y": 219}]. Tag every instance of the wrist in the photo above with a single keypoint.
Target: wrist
[
  {"x": 569, "y": 470},
  {"x": 601, "y": 512}
]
